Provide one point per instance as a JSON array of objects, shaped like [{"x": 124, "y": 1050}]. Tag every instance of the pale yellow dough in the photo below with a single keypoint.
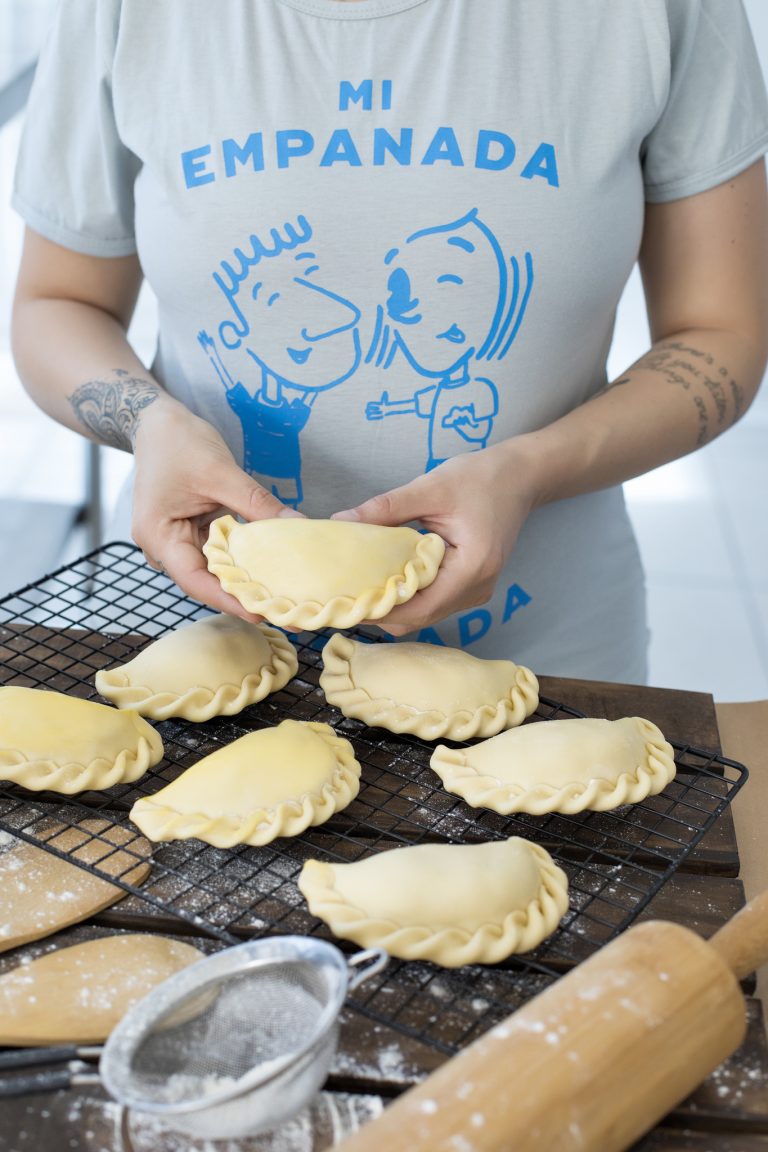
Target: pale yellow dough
[
  {"x": 560, "y": 766},
  {"x": 273, "y": 782},
  {"x": 64, "y": 744},
  {"x": 451, "y": 903},
  {"x": 213, "y": 667},
  {"x": 430, "y": 691},
  {"x": 302, "y": 573}
]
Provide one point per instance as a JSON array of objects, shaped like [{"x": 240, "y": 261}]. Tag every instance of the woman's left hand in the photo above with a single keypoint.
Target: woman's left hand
[{"x": 478, "y": 503}]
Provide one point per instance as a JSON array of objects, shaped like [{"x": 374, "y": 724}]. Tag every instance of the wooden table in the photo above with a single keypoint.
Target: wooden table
[{"x": 729, "y": 1113}]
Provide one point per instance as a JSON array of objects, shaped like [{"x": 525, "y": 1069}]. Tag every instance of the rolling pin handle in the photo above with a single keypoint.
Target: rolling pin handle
[{"x": 743, "y": 942}]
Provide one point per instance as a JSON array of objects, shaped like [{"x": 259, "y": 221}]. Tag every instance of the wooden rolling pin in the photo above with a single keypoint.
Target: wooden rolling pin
[{"x": 596, "y": 1060}]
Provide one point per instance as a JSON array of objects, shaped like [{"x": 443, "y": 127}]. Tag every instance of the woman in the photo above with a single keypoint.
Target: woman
[{"x": 387, "y": 238}]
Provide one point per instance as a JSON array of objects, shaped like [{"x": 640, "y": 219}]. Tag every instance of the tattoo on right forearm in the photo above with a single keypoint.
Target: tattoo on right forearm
[
  {"x": 714, "y": 382},
  {"x": 111, "y": 409},
  {"x": 717, "y": 398},
  {"x": 614, "y": 384}
]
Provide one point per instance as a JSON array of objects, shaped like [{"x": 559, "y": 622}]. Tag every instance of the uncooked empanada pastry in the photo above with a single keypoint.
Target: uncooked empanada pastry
[
  {"x": 213, "y": 667},
  {"x": 560, "y": 766},
  {"x": 52, "y": 741},
  {"x": 312, "y": 574},
  {"x": 273, "y": 782},
  {"x": 451, "y": 903},
  {"x": 431, "y": 691}
]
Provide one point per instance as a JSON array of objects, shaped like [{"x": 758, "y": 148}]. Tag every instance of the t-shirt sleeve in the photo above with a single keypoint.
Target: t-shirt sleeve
[
  {"x": 715, "y": 120},
  {"x": 74, "y": 177}
]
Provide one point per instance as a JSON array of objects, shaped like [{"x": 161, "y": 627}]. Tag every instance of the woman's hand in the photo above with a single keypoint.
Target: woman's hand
[
  {"x": 478, "y": 503},
  {"x": 185, "y": 477}
]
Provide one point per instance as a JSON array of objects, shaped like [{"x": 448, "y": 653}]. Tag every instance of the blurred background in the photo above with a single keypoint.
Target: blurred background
[{"x": 700, "y": 521}]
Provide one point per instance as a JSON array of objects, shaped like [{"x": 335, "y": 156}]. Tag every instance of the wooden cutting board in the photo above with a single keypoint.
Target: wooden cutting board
[
  {"x": 78, "y": 994},
  {"x": 41, "y": 893}
]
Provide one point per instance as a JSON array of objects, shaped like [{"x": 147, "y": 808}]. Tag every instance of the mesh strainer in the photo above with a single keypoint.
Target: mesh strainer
[{"x": 238, "y": 1042}]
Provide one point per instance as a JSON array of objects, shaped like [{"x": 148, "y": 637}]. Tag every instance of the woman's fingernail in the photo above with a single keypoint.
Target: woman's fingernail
[
  {"x": 285, "y": 513},
  {"x": 349, "y": 514}
]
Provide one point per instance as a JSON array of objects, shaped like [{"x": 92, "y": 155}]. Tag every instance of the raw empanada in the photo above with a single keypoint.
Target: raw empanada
[
  {"x": 212, "y": 667},
  {"x": 431, "y": 691},
  {"x": 451, "y": 903},
  {"x": 560, "y": 766},
  {"x": 273, "y": 782},
  {"x": 52, "y": 741},
  {"x": 312, "y": 574}
]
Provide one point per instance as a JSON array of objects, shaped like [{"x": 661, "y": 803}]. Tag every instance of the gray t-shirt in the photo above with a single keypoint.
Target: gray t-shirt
[{"x": 385, "y": 232}]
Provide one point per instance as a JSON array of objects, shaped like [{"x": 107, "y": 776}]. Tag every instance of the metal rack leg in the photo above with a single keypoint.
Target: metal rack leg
[{"x": 90, "y": 514}]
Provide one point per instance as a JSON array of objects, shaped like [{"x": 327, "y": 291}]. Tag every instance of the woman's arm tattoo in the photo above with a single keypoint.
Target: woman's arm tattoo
[
  {"x": 111, "y": 409},
  {"x": 717, "y": 397}
]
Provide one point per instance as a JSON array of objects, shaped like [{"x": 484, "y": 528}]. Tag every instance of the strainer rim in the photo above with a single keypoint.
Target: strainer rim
[{"x": 134, "y": 1026}]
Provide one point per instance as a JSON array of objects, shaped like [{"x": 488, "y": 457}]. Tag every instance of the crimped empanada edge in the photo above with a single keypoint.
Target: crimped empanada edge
[
  {"x": 339, "y": 612},
  {"x": 384, "y": 712},
  {"x": 43, "y": 774},
  {"x": 521, "y": 930},
  {"x": 198, "y": 703},
  {"x": 598, "y": 795},
  {"x": 160, "y": 822}
]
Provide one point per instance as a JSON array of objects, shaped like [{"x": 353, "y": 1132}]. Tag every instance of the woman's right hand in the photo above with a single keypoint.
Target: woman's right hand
[{"x": 186, "y": 476}]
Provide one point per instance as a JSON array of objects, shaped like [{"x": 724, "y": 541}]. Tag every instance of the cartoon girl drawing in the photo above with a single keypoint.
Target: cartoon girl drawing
[{"x": 436, "y": 279}]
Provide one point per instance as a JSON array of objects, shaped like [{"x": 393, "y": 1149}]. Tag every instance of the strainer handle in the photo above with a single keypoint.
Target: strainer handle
[
  {"x": 365, "y": 964},
  {"x": 28, "y": 1057},
  {"x": 49, "y": 1081}
]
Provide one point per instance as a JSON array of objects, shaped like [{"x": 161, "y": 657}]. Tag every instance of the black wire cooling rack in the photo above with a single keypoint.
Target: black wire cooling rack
[{"x": 98, "y": 611}]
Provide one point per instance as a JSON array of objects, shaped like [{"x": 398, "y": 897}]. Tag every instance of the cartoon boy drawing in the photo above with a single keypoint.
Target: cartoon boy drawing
[
  {"x": 303, "y": 338},
  {"x": 437, "y": 278}
]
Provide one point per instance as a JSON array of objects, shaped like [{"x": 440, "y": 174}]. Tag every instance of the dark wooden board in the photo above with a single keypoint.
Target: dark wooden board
[
  {"x": 87, "y": 1120},
  {"x": 686, "y": 717},
  {"x": 374, "y": 1058},
  {"x": 689, "y": 1140},
  {"x": 728, "y": 1113},
  {"x": 66, "y": 660},
  {"x": 702, "y": 904},
  {"x": 38, "y": 653}
]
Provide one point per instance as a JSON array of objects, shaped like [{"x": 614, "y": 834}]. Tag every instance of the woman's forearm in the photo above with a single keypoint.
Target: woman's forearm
[
  {"x": 705, "y": 278},
  {"x": 75, "y": 361},
  {"x": 683, "y": 393}
]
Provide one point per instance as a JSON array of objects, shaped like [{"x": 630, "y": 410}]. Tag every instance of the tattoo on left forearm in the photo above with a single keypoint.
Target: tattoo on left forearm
[{"x": 111, "y": 409}]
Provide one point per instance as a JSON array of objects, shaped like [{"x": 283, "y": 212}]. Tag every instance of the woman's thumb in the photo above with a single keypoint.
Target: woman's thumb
[
  {"x": 238, "y": 492},
  {"x": 398, "y": 506}
]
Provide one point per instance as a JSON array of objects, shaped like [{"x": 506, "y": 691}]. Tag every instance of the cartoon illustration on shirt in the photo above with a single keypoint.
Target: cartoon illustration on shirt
[
  {"x": 303, "y": 339},
  {"x": 437, "y": 278}
]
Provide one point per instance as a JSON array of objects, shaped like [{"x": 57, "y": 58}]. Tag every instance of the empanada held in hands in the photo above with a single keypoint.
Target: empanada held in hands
[
  {"x": 425, "y": 689},
  {"x": 301, "y": 573},
  {"x": 451, "y": 903},
  {"x": 213, "y": 667},
  {"x": 560, "y": 766},
  {"x": 52, "y": 741},
  {"x": 272, "y": 782}
]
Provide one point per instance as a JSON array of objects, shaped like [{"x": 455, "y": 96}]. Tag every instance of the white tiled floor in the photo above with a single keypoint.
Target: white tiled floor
[
  {"x": 701, "y": 521},
  {"x": 701, "y": 526}
]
